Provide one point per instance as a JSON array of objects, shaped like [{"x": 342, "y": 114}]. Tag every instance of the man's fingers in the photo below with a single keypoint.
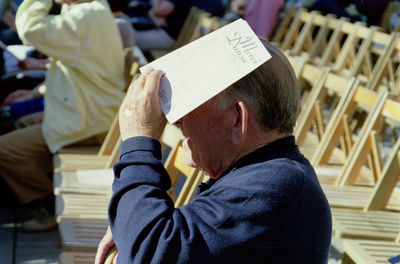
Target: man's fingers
[
  {"x": 104, "y": 246},
  {"x": 115, "y": 258},
  {"x": 101, "y": 253},
  {"x": 140, "y": 82},
  {"x": 153, "y": 81}
]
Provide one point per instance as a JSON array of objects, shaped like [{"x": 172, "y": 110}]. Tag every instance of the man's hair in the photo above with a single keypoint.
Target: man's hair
[{"x": 271, "y": 92}]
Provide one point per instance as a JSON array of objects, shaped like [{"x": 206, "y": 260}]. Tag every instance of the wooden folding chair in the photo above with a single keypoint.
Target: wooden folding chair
[
  {"x": 355, "y": 50},
  {"x": 314, "y": 35},
  {"x": 373, "y": 222},
  {"x": 382, "y": 195},
  {"x": 340, "y": 138},
  {"x": 317, "y": 109}
]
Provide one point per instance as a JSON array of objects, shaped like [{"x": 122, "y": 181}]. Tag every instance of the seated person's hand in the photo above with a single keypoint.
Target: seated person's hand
[
  {"x": 140, "y": 113},
  {"x": 23, "y": 95},
  {"x": 239, "y": 6},
  {"x": 30, "y": 63},
  {"x": 106, "y": 252},
  {"x": 159, "y": 21},
  {"x": 16, "y": 96},
  {"x": 39, "y": 119},
  {"x": 9, "y": 20}
]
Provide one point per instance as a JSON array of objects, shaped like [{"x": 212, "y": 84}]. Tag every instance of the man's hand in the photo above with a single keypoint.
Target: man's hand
[
  {"x": 140, "y": 113},
  {"x": 106, "y": 249}
]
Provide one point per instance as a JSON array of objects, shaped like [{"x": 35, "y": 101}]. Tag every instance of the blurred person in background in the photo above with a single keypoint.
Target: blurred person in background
[
  {"x": 168, "y": 17},
  {"x": 83, "y": 89}
]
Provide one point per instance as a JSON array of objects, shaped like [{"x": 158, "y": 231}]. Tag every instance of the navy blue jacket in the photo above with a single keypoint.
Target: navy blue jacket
[{"x": 268, "y": 207}]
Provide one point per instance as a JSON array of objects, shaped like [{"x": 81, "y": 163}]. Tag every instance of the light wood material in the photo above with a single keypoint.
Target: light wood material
[
  {"x": 66, "y": 181},
  {"x": 77, "y": 257},
  {"x": 379, "y": 225},
  {"x": 292, "y": 34},
  {"x": 369, "y": 251},
  {"x": 338, "y": 128},
  {"x": 386, "y": 73},
  {"x": 82, "y": 206},
  {"x": 81, "y": 234},
  {"x": 74, "y": 210},
  {"x": 383, "y": 190},
  {"x": 284, "y": 25}
]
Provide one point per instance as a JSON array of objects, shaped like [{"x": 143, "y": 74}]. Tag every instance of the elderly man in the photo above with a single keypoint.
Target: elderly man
[
  {"x": 84, "y": 88},
  {"x": 263, "y": 203}
]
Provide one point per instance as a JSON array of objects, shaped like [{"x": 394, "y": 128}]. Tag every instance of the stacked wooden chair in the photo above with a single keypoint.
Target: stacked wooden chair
[
  {"x": 356, "y": 158},
  {"x": 349, "y": 49},
  {"x": 82, "y": 233}
]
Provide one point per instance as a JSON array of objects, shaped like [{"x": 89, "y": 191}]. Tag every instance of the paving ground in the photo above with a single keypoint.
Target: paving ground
[
  {"x": 43, "y": 248},
  {"x": 28, "y": 248}
]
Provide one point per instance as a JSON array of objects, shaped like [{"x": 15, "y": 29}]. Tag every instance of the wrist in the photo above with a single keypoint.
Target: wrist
[{"x": 140, "y": 133}]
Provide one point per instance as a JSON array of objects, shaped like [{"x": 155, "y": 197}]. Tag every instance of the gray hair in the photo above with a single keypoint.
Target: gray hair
[{"x": 271, "y": 91}]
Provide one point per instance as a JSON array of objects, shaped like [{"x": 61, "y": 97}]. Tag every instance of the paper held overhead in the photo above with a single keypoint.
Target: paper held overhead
[{"x": 203, "y": 68}]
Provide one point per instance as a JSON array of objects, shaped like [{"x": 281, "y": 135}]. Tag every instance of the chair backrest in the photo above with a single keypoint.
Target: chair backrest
[
  {"x": 368, "y": 149},
  {"x": 170, "y": 137},
  {"x": 318, "y": 105},
  {"x": 189, "y": 26},
  {"x": 283, "y": 26},
  {"x": 341, "y": 137},
  {"x": 314, "y": 35},
  {"x": 205, "y": 25},
  {"x": 112, "y": 137},
  {"x": 131, "y": 66},
  {"x": 297, "y": 24},
  {"x": 386, "y": 76},
  {"x": 387, "y": 182},
  {"x": 176, "y": 167}
]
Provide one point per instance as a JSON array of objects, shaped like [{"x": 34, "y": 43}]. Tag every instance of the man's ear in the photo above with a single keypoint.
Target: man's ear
[{"x": 239, "y": 129}]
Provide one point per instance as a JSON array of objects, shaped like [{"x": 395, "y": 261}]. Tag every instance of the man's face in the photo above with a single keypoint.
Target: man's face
[{"x": 207, "y": 138}]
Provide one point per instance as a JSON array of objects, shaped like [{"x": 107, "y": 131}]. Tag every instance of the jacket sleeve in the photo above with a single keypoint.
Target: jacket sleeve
[
  {"x": 54, "y": 35},
  {"x": 145, "y": 225}
]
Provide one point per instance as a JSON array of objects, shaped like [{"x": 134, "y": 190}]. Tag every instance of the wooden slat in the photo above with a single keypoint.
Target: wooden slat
[
  {"x": 81, "y": 206},
  {"x": 81, "y": 234},
  {"x": 77, "y": 257},
  {"x": 68, "y": 182},
  {"x": 379, "y": 225},
  {"x": 370, "y": 251}
]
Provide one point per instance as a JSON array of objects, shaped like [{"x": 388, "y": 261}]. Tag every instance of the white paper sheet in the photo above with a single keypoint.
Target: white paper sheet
[
  {"x": 203, "y": 68},
  {"x": 96, "y": 177}
]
